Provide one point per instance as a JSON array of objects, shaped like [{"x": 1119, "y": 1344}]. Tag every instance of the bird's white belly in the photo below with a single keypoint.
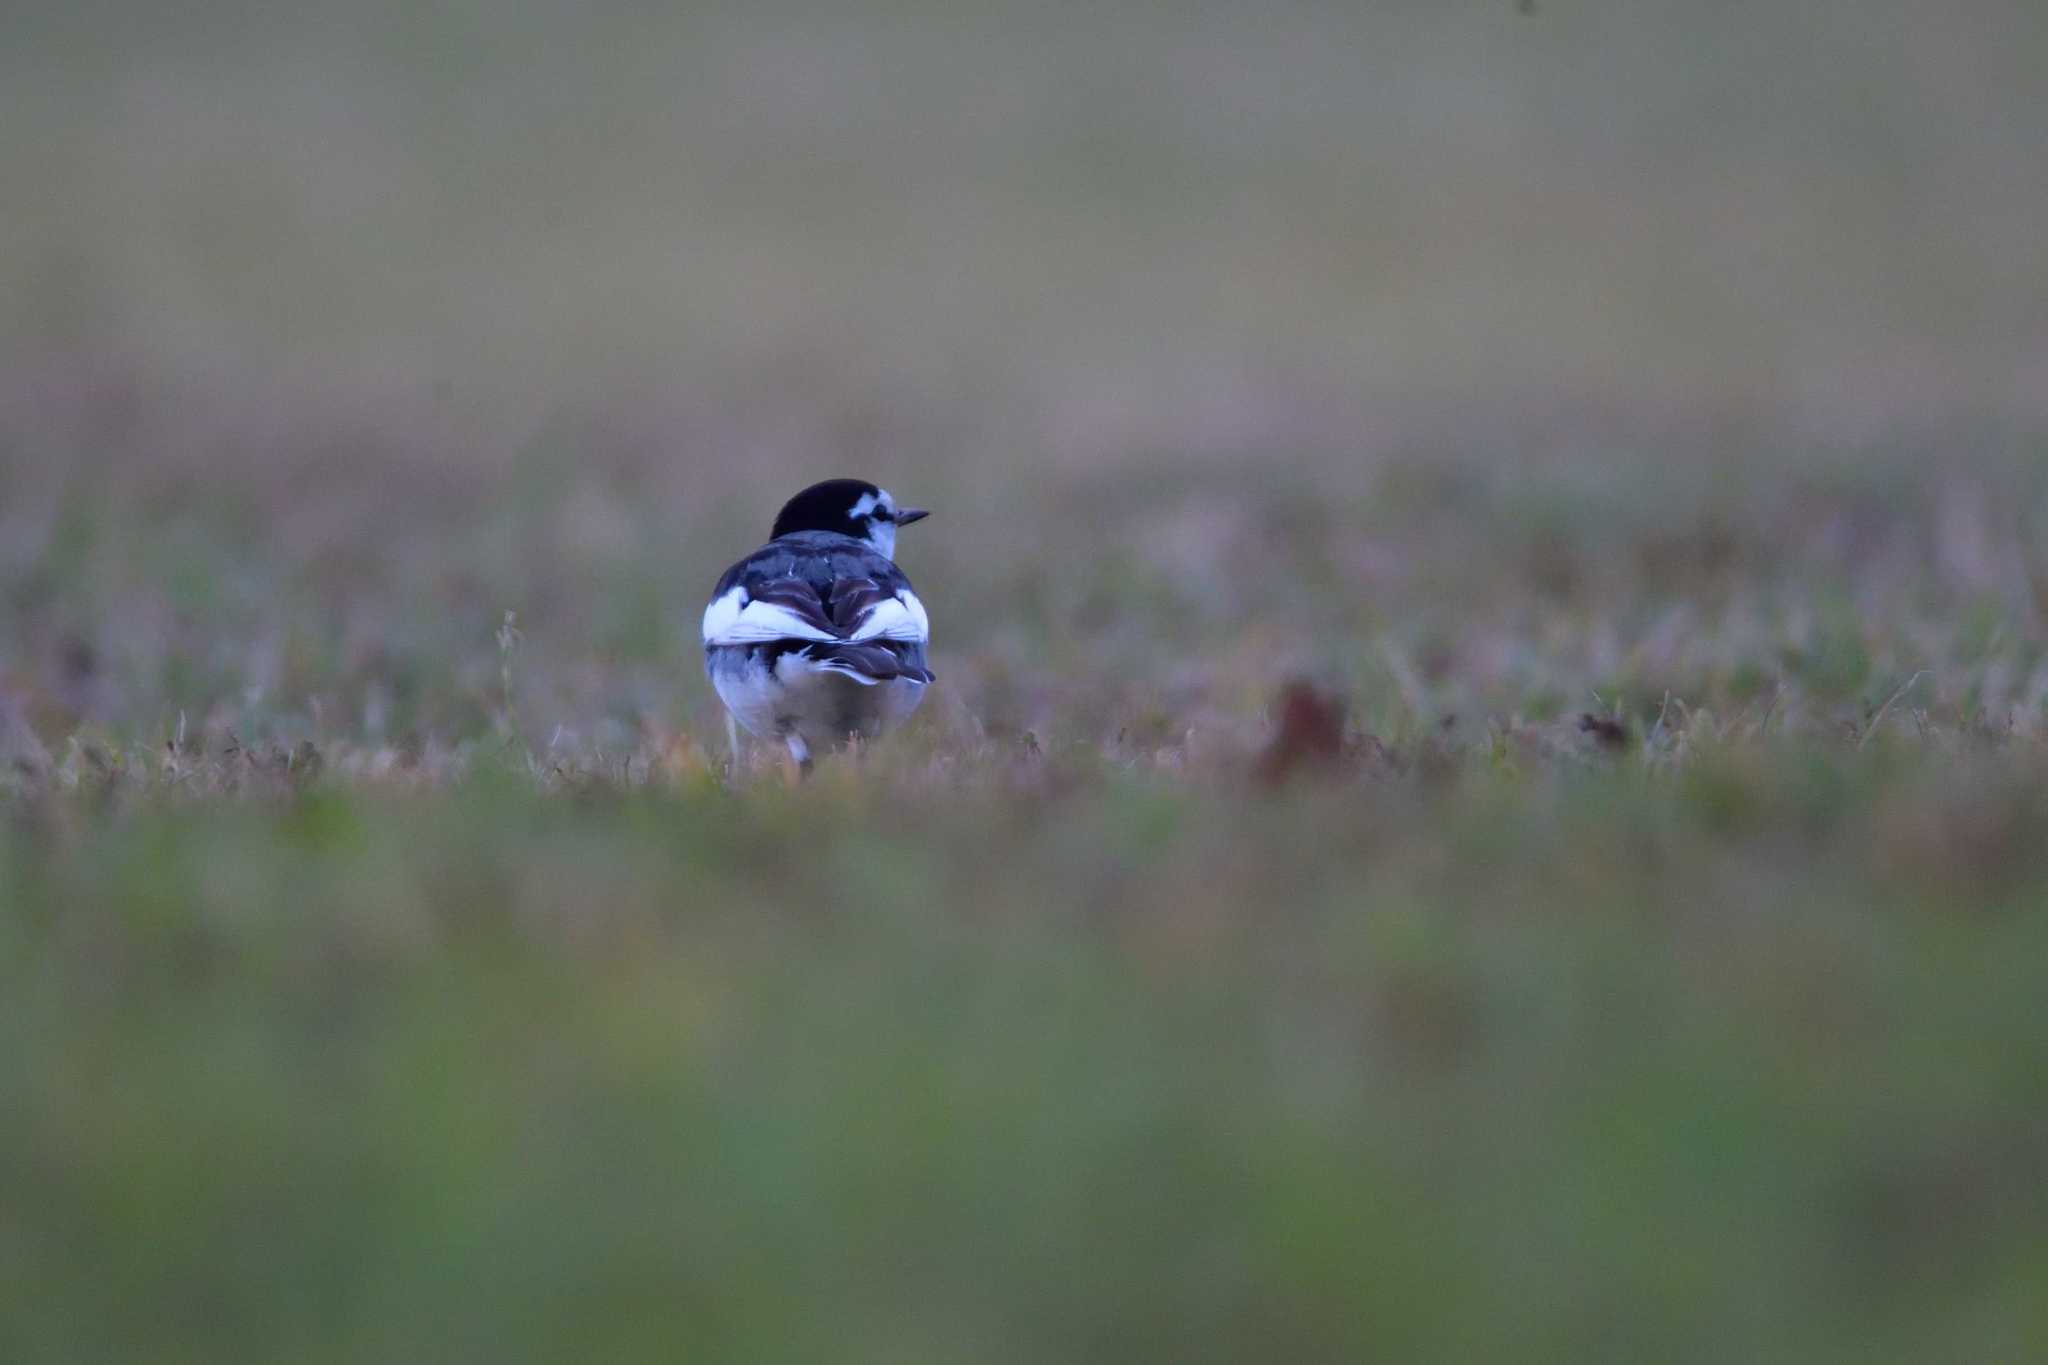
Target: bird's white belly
[{"x": 797, "y": 697}]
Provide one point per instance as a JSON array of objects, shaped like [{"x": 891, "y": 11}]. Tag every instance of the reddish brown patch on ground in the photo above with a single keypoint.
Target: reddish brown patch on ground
[
  {"x": 1310, "y": 737},
  {"x": 1606, "y": 731}
]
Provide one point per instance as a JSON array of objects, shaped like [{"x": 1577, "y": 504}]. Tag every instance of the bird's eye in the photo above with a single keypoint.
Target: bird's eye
[{"x": 884, "y": 514}]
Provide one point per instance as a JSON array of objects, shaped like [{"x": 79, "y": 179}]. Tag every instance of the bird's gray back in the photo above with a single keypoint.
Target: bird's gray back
[{"x": 820, "y": 559}]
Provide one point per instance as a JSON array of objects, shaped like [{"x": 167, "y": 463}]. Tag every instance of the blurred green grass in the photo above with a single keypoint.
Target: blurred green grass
[{"x": 1747, "y": 1065}]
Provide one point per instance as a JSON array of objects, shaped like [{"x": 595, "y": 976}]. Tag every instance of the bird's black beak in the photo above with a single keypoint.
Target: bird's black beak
[{"x": 906, "y": 515}]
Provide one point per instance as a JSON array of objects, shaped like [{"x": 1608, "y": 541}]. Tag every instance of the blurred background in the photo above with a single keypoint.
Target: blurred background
[
  {"x": 1471, "y": 356},
  {"x": 388, "y": 973}
]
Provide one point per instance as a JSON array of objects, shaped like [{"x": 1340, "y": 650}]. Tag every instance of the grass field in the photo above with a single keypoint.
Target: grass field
[{"x": 1630, "y": 428}]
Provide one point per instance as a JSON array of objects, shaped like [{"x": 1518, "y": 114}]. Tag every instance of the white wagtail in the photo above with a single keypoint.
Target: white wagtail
[{"x": 816, "y": 636}]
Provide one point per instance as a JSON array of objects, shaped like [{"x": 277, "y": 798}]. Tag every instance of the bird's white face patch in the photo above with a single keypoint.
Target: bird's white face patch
[
  {"x": 880, "y": 532},
  {"x": 901, "y": 617},
  {"x": 735, "y": 619}
]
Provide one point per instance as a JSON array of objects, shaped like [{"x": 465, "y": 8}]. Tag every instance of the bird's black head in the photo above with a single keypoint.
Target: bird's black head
[{"x": 851, "y": 507}]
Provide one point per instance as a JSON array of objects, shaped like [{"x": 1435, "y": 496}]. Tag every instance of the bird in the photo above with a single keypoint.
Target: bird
[{"x": 817, "y": 637}]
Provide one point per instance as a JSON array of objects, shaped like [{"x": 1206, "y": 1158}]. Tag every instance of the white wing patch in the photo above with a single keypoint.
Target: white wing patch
[
  {"x": 735, "y": 619},
  {"x": 897, "y": 618}
]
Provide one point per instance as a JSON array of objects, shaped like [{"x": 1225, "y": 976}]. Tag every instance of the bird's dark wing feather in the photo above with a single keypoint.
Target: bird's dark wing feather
[
  {"x": 820, "y": 584},
  {"x": 853, "y": 599},
  {"x": 864, "y": 663},
  {"x": 798, "y": 598}
]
